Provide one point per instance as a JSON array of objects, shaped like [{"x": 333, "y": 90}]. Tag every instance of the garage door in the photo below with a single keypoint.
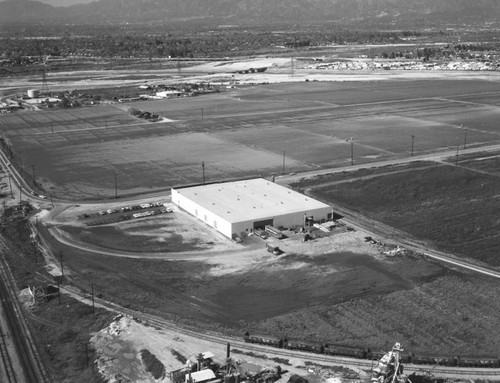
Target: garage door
[{"x": 262, "y": 224}]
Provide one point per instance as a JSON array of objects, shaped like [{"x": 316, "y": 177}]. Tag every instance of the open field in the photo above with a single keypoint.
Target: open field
[
  {"x": 336, "y": 289},
  {"x": 455, "y": 208},
  {"x": 339, "y": 289},
  {"x": 460, "y": 311},
  {"x": 244, "y": 132}
]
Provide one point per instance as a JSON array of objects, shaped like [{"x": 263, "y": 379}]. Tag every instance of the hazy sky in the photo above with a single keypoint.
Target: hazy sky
[{"x": 63, "y": 3}]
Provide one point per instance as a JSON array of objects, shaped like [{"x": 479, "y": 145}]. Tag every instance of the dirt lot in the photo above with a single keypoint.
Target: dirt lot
[
  {"x": 153, "y": 235},
  {"x": 244, "y": 132},
  {"x": 118, "y": 347},
  {"x": 338, "y": 288}
]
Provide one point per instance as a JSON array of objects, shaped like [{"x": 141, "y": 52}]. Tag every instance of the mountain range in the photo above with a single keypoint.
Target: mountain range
[{"x": 389, "y": 12}]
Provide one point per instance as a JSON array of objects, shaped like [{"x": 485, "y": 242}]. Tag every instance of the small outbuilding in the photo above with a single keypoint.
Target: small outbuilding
[{"x": 200, "y": 376}]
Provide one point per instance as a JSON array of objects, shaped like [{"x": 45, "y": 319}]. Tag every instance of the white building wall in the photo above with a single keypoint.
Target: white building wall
[
  {"x": 202, "y": 214},
  {"x": 286, "y": 220},
  {"x": 297, "y": 218},
  {"x": 244, "y": 227}
]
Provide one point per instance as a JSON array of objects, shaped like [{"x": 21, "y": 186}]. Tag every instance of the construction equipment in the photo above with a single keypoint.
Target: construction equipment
[{"x": 389, "y": 368}]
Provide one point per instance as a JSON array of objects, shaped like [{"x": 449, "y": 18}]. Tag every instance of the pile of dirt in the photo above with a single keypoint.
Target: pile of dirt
[{"x": 153, "y": 365}]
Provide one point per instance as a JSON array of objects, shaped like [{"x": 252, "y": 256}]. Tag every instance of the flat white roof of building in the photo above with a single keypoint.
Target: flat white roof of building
[{"x": 249, "y": 199}]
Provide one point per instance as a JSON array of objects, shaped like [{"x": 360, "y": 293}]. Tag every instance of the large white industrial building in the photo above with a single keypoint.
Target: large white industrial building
[{"x": 236, "y": 208}]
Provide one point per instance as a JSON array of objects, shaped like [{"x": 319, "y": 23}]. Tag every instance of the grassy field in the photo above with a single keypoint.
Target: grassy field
[
  {"x": 245, "y": 132},
  {"x": 452, "y": 314},
  {"x": 456, "y": 208}
]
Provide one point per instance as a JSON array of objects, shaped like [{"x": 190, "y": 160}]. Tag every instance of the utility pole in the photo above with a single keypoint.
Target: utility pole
[
  {"x": 86, "y": 354},
  {"x": 35, "y": 252},
  {"x": 62, "y": 266},
  {"x": 283, "y": 172},
  {"x": 59, "y": 291},
  {"x": 412, "y": 142},
  {"x": 92, "y": 291},
  {"x": 10, "y": 187},
  {"x": 465, "y": 138},
  {"x": 456, "y": 156},
  {"x": 203, "y": 171},
  {"x": 33, "y": 169},
  {"x": 352, "y": 152},
  {"x": 116, "y": 187}
]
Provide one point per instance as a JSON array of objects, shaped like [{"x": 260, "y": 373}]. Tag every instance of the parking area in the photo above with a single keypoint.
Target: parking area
[{"x": 103, "y": 217}]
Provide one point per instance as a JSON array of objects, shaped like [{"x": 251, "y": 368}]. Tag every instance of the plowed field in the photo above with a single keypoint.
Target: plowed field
[{"x": 247, "y": 132}]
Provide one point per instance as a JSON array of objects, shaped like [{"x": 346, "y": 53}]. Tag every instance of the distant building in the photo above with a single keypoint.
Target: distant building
[
  {"x": 169, "y": 93},
  {"x": 237, "y": 208},
  {"x": 200, "y": 376}
]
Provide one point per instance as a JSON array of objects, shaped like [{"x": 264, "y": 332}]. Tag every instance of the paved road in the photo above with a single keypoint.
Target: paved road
[{"x": 435, "y": 156}]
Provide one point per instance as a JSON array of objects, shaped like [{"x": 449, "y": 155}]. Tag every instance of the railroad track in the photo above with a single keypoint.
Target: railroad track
[
  {"x": 311, "y": 357},
  {"x": 31, "y": 362},
  {"x": 241, "y": 345},
  {"x": 7, "y": 373}
]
